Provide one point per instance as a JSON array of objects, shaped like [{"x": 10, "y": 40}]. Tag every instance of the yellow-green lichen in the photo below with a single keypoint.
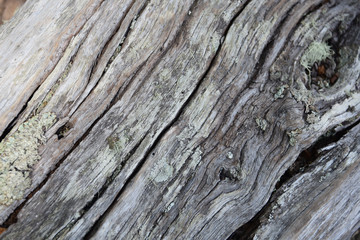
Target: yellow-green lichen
[
  {"x": 316, "y": 52},
  {"x": 280, "y": 91},
  {"x": 18, "y": 155},
  {"x": 262, "y": 123},
  {"x": 293, "y": 136}
]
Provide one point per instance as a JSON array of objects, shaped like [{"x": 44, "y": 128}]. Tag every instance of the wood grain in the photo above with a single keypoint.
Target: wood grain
[
  {"x": 176, "y": 119},
  {"x": 321, "y": 202}
]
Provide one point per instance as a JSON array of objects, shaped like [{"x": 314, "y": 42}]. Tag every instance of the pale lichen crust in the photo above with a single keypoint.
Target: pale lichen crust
[
  {"x": 262, "y": 123},
  {"x": 162, "y": 171},
  {"x": 316, "y": 52},
  {"x": 19, "y": 153}
]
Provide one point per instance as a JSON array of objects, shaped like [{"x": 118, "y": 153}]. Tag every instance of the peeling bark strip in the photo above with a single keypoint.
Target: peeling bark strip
[{"x": 176, "y": 119}]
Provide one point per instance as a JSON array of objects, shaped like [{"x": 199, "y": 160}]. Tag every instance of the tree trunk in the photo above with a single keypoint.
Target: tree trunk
[{"x": 193, "y": 119}]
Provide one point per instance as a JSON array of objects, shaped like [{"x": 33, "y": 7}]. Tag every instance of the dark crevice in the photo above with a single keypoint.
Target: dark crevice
[
  {"x": 301, "y": 164},
  {"x": 97, "y": 224},
  {"x": 61, "y": 132},
  {"x": 125, "y": 36},
  {"x": 267, "y": 50},
  {"x": 13, "y": 216},
  {"x": 110, "y": 179},
  {"x": 118, "y": 169},
  {"x": 356, "y": 235},
  {"x": 182, "y": 191},
  {"x": 325, "y": 73},
  {"x": 67, "y": 68},
  {"x": 14, "y": 121},
  {"x": 163, "y": 53},
  {"x": 228, "y": 174},
  {"x": 150, "y": 151},
  {"x": 111, "y": 37},
  {"x": 309, "y": 155},
  {"x": 341, "y": 37},
  {"x": 94, "y": 65}
]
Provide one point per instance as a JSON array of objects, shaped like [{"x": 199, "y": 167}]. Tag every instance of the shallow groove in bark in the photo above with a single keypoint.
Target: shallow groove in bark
[
  {"x": 71, "y": 61},
  {"x": 268, "y": 48},
  {"x": 259, "y": 66},
  {"x": 302, "y": 163},
  {"x": 118, "y": 169},
  {"x": 117, "y": 28},
  {"x": 127, "y": 32},
  {"x": 181, "y": 192},
  {"x": 97, "y": 224},
  {"x": 13, "y": 217}
]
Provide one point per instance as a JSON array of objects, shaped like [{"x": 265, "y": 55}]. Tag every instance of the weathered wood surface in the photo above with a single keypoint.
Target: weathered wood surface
[
  {"x": 320, "y": 203},
  {"x": 8, "y": 8},
  {"x": 175, "y": 119}
]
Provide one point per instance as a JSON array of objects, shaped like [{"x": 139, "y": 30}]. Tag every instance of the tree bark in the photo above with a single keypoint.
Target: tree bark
[{"x": 191, "y": 119}]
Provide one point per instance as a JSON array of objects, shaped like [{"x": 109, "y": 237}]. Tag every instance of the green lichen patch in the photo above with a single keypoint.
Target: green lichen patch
[
  {"x": 118, "y": 143},
  {"x": 18, "y": 155},
  {"x": 262, "y": 123},
  {"x": 293, "y": 136},
  {"x": 112, "y": 142},
  {"x": 162, "y": 171},
  {"x": 280, "y": 92},
  {"x": 316, "y": 52}
]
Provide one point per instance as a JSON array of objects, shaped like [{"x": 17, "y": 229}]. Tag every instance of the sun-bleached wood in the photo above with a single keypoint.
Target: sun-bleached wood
[{"x": 176, "y": 119}]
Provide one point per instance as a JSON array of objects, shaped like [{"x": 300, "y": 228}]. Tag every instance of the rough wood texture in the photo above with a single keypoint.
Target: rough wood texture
[
  {"x": 325, "y": 196},
  {"x": 177, "y": 119}
]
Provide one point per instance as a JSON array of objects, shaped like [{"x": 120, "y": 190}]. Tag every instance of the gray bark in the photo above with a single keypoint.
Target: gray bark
[{"x": 177, "y": 119}]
